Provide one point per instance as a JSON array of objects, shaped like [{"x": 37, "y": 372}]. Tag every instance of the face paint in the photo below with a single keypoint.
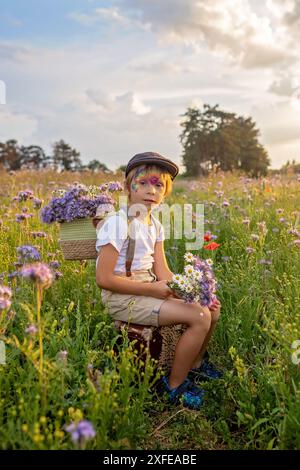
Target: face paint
[{"x": 141, "y": 176}]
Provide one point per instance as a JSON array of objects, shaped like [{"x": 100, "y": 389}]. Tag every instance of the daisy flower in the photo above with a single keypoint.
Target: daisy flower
[
  {"x": 209, "y": 261},
  {"x": 189, "y": 257},
  {"x": 189, "y": 270}
]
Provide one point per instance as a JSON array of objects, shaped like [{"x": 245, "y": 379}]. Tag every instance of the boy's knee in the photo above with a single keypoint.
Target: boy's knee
[{"x": 202, "y": 318}]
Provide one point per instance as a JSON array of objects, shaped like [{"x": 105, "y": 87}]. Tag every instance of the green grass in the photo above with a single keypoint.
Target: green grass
[{"x": 257, "y": 403}]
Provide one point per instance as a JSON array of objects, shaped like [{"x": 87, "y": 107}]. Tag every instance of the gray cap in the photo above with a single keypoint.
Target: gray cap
[{"x": 152, "y": 158}]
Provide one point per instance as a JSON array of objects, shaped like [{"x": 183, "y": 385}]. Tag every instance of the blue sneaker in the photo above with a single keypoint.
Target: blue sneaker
[
  {"x": 207, "y": 370},
  {"x": 187, "y": 393}
]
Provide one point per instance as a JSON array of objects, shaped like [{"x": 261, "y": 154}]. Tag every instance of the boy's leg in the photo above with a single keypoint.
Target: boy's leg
[
  {"x": 198, "y": 321},
  {"x": 214, "y": 319},
  {"x": 199, "y": 358}
]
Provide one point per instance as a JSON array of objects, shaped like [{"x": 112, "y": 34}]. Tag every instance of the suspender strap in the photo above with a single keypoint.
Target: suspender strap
[
  {"x": 130, "y": 248},
  {"x": 129, "y": 255}
]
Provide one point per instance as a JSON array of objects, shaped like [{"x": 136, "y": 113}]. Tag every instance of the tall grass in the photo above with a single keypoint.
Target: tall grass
[{"x": 71, "y": 371}]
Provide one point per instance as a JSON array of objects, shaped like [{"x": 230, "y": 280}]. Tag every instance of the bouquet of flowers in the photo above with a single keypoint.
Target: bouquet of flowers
[
  {"x": 75, "y": 210},
  {"x": 78, "y": 202},
  {"x": 197, "y": 284}
]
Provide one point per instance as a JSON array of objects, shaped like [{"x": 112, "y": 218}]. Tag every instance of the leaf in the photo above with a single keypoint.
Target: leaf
[{"x": 259, "y": 422}]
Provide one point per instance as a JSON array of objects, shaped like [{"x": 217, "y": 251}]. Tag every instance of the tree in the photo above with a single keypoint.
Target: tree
[
  {"x": 65, "y": 158},
  {"x": 215, "y": 137},
  {"x": 10, "y": 155},
  {"x": 33, "y": 157},
  {"x": 121, "y": 168},
  {"x": 95, "y": 166}
]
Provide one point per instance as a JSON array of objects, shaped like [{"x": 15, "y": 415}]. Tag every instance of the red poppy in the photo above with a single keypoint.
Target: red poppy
[
  {"x": 207, "y": 237},
  {"x": 212, "y": 246}
]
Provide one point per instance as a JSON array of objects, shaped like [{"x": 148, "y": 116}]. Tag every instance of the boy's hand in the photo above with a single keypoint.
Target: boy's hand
[
  {"x": 215, "y": 306},
  {"x": 160, "y": 289}
]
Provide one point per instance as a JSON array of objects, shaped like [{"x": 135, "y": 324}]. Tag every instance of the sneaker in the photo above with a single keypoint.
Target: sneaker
[
  {"x": 187, "y": 393},
  {"x": 207, "y": 370}
]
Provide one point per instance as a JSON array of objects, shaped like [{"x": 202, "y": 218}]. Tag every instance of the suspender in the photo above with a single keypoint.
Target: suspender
[
  {"x": 130, "y": 247},
  {"x": 129, "y": 255}
]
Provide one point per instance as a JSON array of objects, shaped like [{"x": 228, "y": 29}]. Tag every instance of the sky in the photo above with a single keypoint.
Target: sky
[{"x": 114, "y": 78}]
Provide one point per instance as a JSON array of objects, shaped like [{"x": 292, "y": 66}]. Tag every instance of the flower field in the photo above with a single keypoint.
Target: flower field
[{"x": 61, "y": 384}]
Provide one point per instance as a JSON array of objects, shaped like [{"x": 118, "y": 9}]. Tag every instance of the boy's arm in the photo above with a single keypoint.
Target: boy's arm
[
  {"x": 160, "y": 266},
  {"x": 106, "y": 278}
]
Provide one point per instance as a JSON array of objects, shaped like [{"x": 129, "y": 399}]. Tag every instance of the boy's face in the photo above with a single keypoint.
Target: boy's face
[{"x": 147, "y": 188}]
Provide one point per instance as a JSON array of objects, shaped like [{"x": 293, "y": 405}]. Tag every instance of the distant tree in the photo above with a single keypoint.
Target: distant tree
[
  {"x": 32, "y": 157},
  {"x": 290, "y": 168},
  {"x": 65, "y": 157},
  {"x": 10, "y": 155},
  {"x": 121, "y": 168},
  {"x": 215, "y": 137},
  {"x": 95, "y": 166}
]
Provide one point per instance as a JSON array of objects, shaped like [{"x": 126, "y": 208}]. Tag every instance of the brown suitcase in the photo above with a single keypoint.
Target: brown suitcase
[{"x": 161, "y": 341}]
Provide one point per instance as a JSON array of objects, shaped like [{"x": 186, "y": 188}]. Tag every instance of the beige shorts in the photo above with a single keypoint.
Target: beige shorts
[{"x": 132, "y": 308}]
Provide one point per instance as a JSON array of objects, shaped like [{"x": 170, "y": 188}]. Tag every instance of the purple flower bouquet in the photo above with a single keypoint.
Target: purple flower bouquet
[
  {"x": 197, "y": 284},
  {"x": 74, "y": 210}
]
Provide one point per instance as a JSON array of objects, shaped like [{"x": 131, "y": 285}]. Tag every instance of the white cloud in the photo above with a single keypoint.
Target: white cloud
[
  {"x": 286, "y": 85},
  {"x": 14, "y": 52},
  {"x": 113, "y": 97},
  {"x": 229, "y": 27},
  {"x": 128, "y": 102},
  {"x": 110, "y": 15},
  {"x": 16, "y": 125}
]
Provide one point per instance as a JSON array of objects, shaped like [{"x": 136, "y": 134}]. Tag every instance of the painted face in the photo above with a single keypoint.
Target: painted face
[{"x": 141, "y": 179}]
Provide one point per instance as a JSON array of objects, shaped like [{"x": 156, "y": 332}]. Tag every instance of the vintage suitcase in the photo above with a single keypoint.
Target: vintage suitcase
[{"x": 161, "y": 341}]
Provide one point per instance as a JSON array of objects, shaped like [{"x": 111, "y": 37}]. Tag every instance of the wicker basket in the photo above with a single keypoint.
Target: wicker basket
[{"x": 78, "y": 239}]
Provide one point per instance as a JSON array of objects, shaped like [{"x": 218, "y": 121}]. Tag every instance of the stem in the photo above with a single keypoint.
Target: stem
[{"x": 39, "y": 293}]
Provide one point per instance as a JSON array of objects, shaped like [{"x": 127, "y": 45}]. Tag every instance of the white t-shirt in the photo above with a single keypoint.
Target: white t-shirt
[{"x": 115, "y": 230}]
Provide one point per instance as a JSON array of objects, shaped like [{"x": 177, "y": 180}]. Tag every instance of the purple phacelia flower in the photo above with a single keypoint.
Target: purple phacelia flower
[
  {"x": 246, "y": 222},
  {"x": 254, "y": 237},
  {"x": 31, "y": 330},
  {"x": 28, "y": 253},
  {"x": 5, "y": 297},
  {"x": 39, "y": 273},
  {"x": 37, "y": 203},
  {"x": 20, "y": 217},
  {"x": 24, "y": 195},
  {"x": 115, "y": 186},
  {"x": 38, "y": 234},
  {"x": 74, "y": 204},
  {"x": 54, "y": 264},
  {"x": 81, "y": 431}
]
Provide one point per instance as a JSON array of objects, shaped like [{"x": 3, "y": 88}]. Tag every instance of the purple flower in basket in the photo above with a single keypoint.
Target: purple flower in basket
[{"x": 76, "y": 203}]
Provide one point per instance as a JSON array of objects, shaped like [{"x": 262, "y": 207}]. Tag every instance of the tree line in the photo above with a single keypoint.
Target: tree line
[
  {"x": 211, "y": 139},
  {"x": 63, "y": 158}
]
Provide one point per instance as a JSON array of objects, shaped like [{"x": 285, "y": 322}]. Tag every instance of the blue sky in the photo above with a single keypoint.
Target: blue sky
[{"x": 113, "y": 77}]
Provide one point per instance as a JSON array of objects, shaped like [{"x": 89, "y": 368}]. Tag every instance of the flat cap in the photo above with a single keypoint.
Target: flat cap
[{"x": 150, "y": 158}]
